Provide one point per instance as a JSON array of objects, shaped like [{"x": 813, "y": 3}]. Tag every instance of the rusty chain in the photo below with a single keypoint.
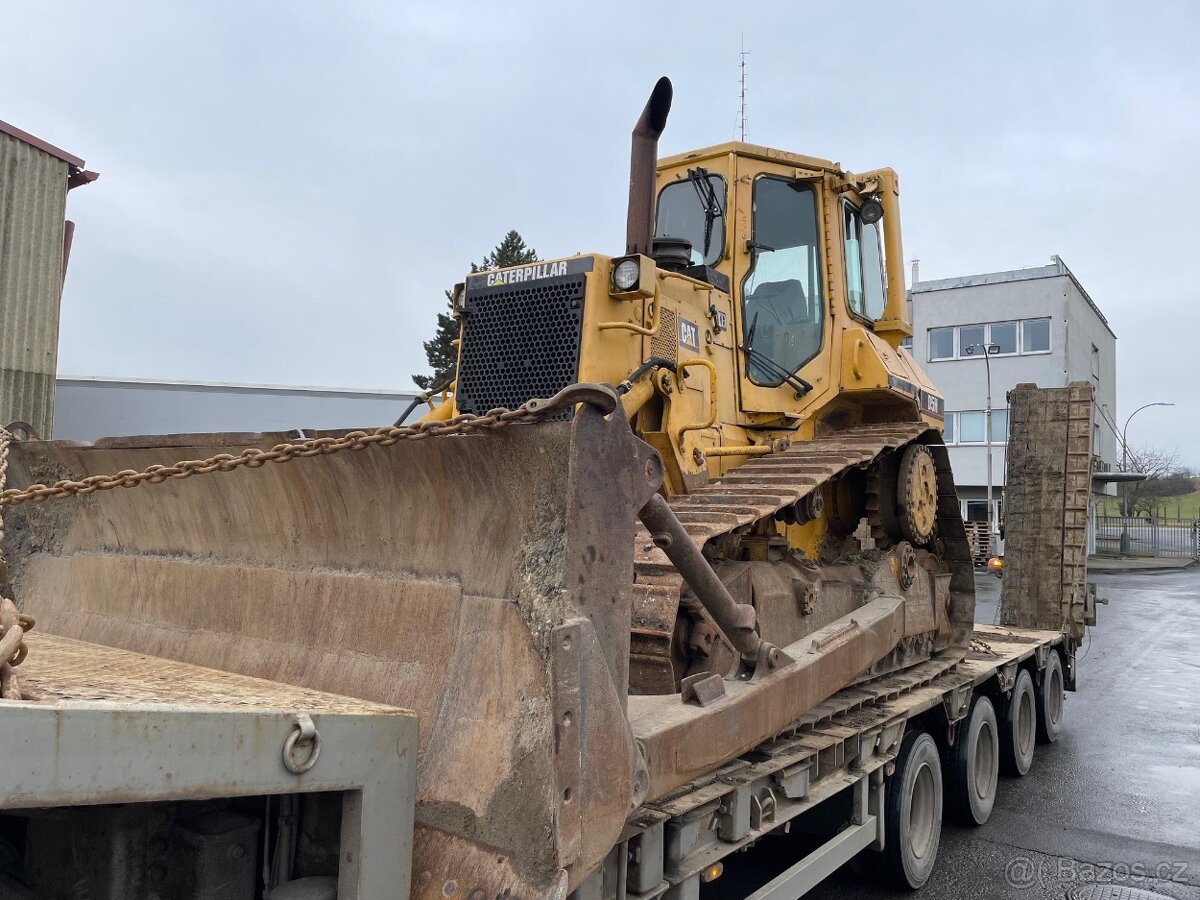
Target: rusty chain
[
  {"x": 253, "y": 457},
  {"x": 13, "y": 625}
]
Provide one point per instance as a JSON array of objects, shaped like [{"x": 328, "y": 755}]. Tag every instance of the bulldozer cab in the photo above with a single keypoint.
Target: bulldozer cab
[{"x": 801, "y": 245}]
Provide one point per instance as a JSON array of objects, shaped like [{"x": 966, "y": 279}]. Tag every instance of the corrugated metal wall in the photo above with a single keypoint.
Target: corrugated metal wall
[{"x": 33, "y": 200}]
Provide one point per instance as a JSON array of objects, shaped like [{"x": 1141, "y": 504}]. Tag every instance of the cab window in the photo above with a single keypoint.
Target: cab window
[
  {"x": 694, "y": 208},
  {"x": 782, "y": 308},
  {"x": 864, "y": 265}
]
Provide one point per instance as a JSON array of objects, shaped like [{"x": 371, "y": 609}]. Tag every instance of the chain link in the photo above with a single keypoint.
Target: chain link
[{"x": 253, "y": 457}]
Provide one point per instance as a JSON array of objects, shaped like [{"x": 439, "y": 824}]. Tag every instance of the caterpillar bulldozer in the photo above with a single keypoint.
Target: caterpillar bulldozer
[{"x": 718, "y": 496}]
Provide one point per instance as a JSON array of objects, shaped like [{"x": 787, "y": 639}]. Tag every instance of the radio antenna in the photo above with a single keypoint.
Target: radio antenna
[{"x": 742, "y": 96}]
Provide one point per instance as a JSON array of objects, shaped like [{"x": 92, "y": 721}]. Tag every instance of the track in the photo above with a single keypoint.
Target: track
[{"x": 760, "y": 489}]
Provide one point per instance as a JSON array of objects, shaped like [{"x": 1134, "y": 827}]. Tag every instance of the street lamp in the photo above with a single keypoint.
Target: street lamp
[
  {"x": 988, "y": 350},
  {"x": 1124, "y": 468}
]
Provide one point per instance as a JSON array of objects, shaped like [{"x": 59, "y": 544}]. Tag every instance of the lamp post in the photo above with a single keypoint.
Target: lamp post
[
  {"x": 1124, "y": 468},
  {"x": 988, "y": 350}
]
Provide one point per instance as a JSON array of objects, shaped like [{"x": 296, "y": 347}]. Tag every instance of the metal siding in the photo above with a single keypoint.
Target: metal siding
[{"x": 33, "y": 198}]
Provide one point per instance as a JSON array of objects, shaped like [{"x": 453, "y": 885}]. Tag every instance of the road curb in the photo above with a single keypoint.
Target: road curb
[{"x": 1142, "y": 570}]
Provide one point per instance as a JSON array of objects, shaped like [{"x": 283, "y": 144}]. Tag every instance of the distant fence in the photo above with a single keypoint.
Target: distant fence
[{"x": 1148, "y": 536}]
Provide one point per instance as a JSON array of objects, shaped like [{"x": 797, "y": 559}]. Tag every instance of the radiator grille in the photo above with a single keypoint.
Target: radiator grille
[{"x": 519, "y": 341}]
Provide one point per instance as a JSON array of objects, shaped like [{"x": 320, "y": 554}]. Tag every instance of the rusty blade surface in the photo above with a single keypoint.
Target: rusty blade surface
[{"x": 433, "y": 575}]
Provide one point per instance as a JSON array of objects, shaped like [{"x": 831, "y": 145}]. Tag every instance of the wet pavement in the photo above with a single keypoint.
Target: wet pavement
[{"x": 1116, "y": 801}]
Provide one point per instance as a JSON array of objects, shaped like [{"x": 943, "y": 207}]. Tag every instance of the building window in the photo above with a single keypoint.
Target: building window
[
  {"x": 1095, "y": 362},
  {"x": 906, "y": 343},
  {"x": 941, "y": 343},
  {"x": 1095, "y": 438},
  {"x": 970, "y": 428},
  {"x": 976, "y": 511},
  {"x": 999, "y": 426},
  {"x": 1004, "y": 336},
  {"x": 1035, "y": 336},
  {"x": 970, "y": 339},
  {"x": 1010, "y": 338}
]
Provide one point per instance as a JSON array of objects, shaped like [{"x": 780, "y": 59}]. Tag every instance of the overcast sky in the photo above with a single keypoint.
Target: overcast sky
[{"x": 287, "y": 189}]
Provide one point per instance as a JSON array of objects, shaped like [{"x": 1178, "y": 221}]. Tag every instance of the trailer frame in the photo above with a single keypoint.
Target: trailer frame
[{"x": 846, "y": 745}]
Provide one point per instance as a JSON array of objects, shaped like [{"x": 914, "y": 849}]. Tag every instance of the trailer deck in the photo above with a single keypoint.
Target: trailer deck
[{"x": 845, "y": 744}]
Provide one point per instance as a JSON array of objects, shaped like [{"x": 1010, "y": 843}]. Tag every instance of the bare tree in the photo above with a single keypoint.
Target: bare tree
[{"x": 1164, "y": 478}]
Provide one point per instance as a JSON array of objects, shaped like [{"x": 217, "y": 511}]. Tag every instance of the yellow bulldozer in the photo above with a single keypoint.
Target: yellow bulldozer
[{"x": 673, "y": 500}]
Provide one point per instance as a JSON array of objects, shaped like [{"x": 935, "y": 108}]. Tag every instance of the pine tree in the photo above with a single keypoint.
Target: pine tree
[{"x": 440, "y": 350}]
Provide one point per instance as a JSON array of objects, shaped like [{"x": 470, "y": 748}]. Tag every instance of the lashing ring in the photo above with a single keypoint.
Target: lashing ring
[{"x": 303, "y": 734}]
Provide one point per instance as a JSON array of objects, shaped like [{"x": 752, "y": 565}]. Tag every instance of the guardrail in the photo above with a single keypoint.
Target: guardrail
[{"x": 1148, "y": 536}]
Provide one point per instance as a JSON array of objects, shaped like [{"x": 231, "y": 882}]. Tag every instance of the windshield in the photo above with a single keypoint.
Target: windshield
[
  {"x": 783, "y": 317},
  {"x": 694, "y": 208}
]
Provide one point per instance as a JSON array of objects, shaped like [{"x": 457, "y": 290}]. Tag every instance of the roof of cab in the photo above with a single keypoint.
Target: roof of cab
[{"x": 754, "y": 151}]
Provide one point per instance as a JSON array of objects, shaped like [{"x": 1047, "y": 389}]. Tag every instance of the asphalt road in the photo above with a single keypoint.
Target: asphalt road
[{"x": 1117, "y": 799}]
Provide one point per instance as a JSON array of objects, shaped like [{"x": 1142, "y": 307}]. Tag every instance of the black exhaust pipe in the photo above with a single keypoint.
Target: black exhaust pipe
[{"x": 639, "y": 229}]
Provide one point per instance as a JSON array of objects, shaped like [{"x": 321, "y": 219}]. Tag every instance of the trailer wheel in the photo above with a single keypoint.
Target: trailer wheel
[
  {"x": 1050, "y": 700},
  {"x": 973, "y": 765},
  {"x": 913, "y": 813},
  {"x": 1018, "y": 727}
]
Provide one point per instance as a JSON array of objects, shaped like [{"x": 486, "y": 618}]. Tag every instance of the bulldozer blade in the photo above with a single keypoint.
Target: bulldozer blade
[{"x": 482, "y": 580}]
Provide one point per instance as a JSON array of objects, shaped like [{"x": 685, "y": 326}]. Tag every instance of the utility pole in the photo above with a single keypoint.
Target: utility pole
[{"x": 742, "y": 96}]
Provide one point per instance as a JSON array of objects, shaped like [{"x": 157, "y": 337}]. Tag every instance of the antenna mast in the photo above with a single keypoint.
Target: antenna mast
[{"x": 742, "y": 97}]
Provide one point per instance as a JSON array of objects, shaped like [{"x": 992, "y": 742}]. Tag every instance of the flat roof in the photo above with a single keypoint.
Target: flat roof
[
  {"x": 13, "y": 131},
  {"x": 756, "y": 151},
  {"x": 230, "y": 386},
  {"x": 1056, "y": 269}
]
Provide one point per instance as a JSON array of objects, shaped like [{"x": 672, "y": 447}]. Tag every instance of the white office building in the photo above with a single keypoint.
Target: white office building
[{"x": 1041, "y": 327}]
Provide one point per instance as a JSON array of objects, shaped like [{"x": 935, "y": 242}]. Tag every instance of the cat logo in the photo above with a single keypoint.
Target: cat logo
[{"x": 689, "y": 335}]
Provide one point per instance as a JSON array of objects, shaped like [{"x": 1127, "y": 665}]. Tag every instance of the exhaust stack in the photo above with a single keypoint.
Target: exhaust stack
[{"x": 639, "y": 230}]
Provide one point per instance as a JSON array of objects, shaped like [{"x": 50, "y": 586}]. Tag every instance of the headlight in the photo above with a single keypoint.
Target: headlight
[{"x": 625, "y": 274}]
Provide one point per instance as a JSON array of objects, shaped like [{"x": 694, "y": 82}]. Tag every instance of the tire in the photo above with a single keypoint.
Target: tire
[
  {"x": 1018, "y": 727},
  {"x": 1050, "y": 700},
  {"x": 913, "y": 813},
  {"x": 973, "y": 765}
]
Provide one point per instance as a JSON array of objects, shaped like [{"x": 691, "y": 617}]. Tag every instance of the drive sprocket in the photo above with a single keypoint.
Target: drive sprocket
[{"x": 916, "y": 494}]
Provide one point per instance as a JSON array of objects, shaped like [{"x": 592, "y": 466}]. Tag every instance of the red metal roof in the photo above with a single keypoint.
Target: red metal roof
[{"x": 28, "y": 138}]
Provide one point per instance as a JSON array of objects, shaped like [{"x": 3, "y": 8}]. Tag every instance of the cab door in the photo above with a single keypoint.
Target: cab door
[{"x": 781, "y": 289}]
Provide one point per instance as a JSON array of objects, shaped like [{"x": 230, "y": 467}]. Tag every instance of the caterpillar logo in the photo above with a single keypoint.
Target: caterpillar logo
[
  {"x": 529, "y": 273},
  {"x": 532, "y": 273}
]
